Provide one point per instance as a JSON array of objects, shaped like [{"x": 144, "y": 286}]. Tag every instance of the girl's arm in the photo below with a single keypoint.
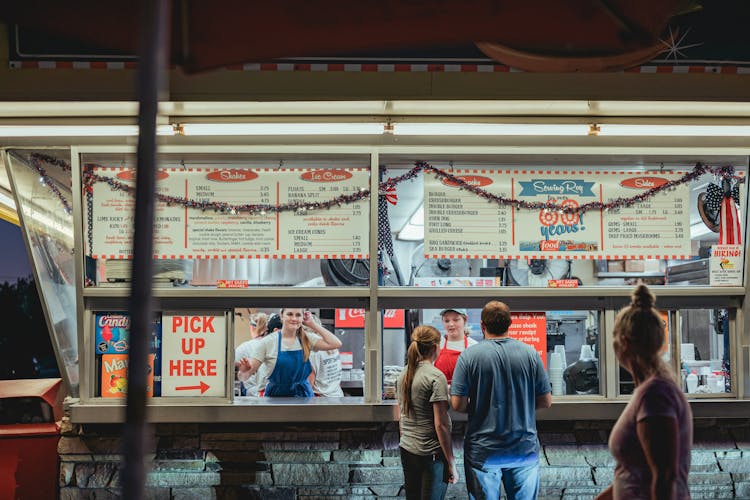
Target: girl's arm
[
  {"x": 248, "y": 366},
  {"x": 443, "y": 429},
  {"x": 327, "y": 341}
]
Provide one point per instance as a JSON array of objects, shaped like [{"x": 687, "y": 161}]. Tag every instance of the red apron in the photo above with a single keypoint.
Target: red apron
[{"x": 446, "y": 361}]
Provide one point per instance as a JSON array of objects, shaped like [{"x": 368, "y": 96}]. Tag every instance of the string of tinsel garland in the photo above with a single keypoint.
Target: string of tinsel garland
[
  {"x": 726, "y": 172},
  {"x": 36, "y": 160}
]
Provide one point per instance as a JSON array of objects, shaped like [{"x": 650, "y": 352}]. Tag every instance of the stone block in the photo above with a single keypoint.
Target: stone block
[
  {"x": 269, "y": 493},
  {"x": 377, "y": 475},
  {"x": 385, "y": 490},
  {"x": 712, "y": 491},
  {"x": 66, "y": 473},
  {"x": 310, "y": 474},
  {"x": 603, "y": 476},
  {"x": 246, "y": 478},
  {"x": 566, "y": 476},
  {"x": 597, "y": 455},
  {"x": 709, "y": 478},
  {"x": 581, "y": 493},
  {"x": 391, "y": 462},
  {"x": 703, "y": 457},
  {"x": 359, "y": 440},
  {"x": 300, "y": 445},
  {"x": 297, "y": 457},
  {"x": 329, "y": 491},
  {"x": 178, "y": 465},
  {"x": 72, "y": 446},
  {"x": 357, "y": 456},
  {"x": 714, "y": 467},
  {"x": 183, "y": 479},
  {"x": 194, "y": 494},
  {"x": 741, "y": 465},
  {"x": 551, "y": 438},
  {"x": 93, "y": 475},
  {"x": 234, "y": 456},
  {"x": 564, "y": 454},
  {"x": 455, "y": 491},
  {"x": 742, "y": 489}
]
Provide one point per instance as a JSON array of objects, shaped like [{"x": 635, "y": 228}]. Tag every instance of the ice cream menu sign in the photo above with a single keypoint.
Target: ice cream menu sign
[
  {"x": 180, "y": 232},
  {"x": 460, "y": 224}
]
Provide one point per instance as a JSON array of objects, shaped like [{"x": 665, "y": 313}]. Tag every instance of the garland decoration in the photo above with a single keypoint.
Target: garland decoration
[
  {"x": 90, "y": 178},
  {"x": 389, "y": 185},
  {"x": 36, "y": 162}
]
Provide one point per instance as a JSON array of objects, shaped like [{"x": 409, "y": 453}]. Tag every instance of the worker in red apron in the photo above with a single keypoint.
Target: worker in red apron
[{"x": 455, "y": 341}]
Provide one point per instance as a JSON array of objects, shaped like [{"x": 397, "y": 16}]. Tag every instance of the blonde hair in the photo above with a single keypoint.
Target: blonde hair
[
  {"x": 261, "y": 324},
  {"x": 424, "y": 340},
  {"x": 300, "y": 333},
  {"x": 642, "y": 328}
]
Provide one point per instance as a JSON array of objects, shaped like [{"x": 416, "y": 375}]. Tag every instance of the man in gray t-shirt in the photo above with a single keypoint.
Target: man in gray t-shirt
[{"x": 500, "y": 382}]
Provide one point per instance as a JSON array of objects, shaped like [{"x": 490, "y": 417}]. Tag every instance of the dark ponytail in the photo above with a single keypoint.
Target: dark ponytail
[{"x": 424, "y": 340}]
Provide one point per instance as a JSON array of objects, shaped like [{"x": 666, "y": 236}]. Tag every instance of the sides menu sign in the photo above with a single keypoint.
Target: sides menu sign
[
  {"x": 459, "y": 224},
  {"x": 188, "y": 233}
]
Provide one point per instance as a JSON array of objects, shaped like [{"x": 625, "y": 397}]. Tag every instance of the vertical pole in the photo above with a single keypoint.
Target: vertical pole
[{"x": 151, "y": 76}]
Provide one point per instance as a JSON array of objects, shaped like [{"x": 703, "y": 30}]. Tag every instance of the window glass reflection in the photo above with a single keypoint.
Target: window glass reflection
[
  {"x": 42, "y": 181},
  {"x": 567, "y": 342}
]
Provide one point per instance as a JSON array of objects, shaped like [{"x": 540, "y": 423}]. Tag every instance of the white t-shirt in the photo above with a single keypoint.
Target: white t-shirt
[
  {"x": 257, "y": 380},
  {"x": 327, "y": 368},
  {"x": 457, "y": 345},
  {"x": 266, "y": 350}
]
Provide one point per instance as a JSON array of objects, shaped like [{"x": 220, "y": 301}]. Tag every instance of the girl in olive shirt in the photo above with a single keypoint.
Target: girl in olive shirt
[{"x": 426, "y": 446}]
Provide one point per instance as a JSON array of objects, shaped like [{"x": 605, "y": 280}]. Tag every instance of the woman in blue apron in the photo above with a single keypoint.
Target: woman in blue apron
[{"x": 286, "y": 354}]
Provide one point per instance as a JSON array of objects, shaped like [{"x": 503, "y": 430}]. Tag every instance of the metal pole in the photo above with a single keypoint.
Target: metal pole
[{"x": 151, "y": 76}]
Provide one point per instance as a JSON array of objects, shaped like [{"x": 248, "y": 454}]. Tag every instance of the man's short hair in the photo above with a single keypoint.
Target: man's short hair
[{"x": 496, "y": 317}]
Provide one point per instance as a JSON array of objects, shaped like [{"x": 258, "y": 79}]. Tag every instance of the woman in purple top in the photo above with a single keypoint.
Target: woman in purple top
[{"x": 651, "y": 440}]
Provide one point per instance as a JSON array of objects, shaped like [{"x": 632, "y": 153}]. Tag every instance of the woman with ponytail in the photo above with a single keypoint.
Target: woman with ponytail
[
  {"x": 285, "y": 354},
  {"x": 425, "y": 427},
  {"x": 651, "y": 440}
]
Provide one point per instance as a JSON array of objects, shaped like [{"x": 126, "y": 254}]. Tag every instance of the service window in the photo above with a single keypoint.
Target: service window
[
  {"x": 233, "y": 221},
  {"x": 568, "y": 343},
  {"x": 562, "y": 222}
]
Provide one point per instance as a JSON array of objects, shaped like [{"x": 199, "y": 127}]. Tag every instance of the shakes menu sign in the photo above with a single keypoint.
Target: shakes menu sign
[
  {"x": 208, "y": 229},
  {"x": 460, "y": 224}
]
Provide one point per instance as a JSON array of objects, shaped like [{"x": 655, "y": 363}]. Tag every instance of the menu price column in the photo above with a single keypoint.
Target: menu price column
[{"x": 459, "y": 224}]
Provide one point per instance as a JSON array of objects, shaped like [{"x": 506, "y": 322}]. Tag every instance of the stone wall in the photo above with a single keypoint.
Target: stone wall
[{"x": 330, "y": 461}]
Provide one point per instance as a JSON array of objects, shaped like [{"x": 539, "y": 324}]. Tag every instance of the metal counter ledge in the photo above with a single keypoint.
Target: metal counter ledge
[{"x": 354, "y": 409}]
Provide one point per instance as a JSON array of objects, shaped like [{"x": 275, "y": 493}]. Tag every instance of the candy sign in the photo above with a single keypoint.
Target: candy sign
[{"x": 193, "y": 355}]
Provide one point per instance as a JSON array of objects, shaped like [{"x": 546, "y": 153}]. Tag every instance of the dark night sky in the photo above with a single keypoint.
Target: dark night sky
[{"x": 14, "y": 262}]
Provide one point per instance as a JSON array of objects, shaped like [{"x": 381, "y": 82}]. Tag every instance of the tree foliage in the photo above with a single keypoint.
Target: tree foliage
[{"x": 25, "y": 345}]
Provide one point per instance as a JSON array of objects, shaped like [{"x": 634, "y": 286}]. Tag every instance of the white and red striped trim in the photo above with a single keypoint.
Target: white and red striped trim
[
  {"x": 376, "y": 67},
  {"x": 233, "y": 257},
  {"x": 558, "y": 257}
]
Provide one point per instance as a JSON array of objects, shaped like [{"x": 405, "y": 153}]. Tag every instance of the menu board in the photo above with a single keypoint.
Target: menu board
[
  {"x": 207, "y": 231},
  {"x": 461, "y": 224}
]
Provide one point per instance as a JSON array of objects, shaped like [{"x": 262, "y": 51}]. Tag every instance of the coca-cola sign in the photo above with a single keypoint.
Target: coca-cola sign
[
  {"x": 355, "y": 318},
  {"x": 643, "y": 182},
  {"x": 231, "y": 175},
  {"x": 334, "y": 175}
]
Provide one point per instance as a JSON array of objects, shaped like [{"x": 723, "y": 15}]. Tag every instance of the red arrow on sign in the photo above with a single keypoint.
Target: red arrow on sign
[{"x": 203, "y": 387}]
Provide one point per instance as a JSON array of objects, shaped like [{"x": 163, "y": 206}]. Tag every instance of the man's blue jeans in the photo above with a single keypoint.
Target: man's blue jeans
[{"x": 521, "y": 483}]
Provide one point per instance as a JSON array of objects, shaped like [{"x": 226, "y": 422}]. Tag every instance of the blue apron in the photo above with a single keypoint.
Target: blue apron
[{"x": 289, "y": 376}]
